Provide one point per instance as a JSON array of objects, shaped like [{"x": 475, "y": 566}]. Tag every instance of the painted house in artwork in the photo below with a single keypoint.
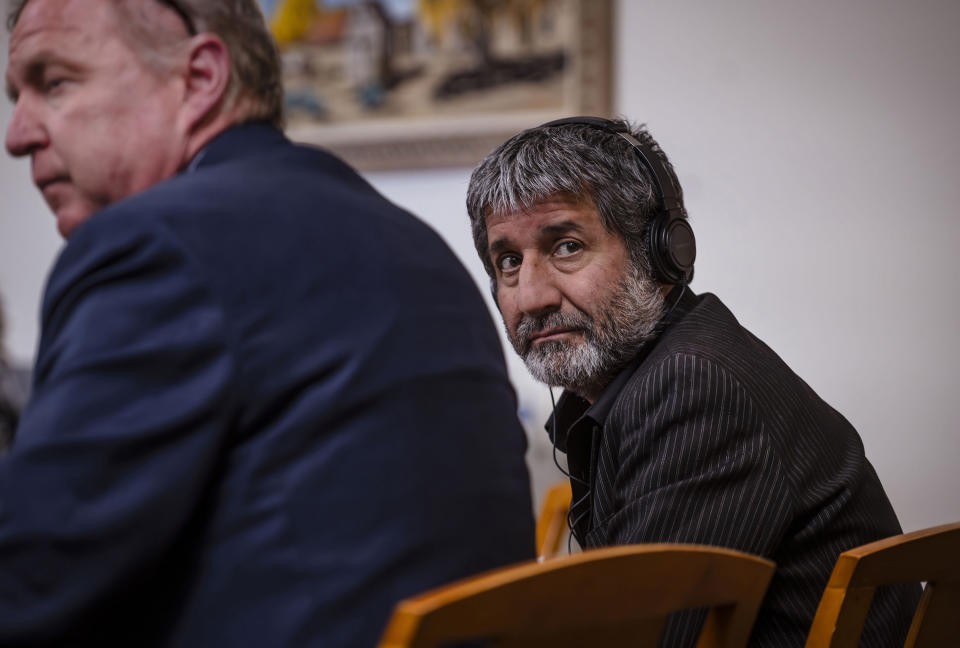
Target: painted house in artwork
[
  {"x": 496, "y": 29},
  {"x": 368, "y": 44},
  {"x": 363, "y": 57}
]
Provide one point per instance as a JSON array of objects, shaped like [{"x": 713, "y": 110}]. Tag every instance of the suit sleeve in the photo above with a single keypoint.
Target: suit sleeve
[
  {"x": 121, "y": 435},
  {"x": 695, "y": 465}
]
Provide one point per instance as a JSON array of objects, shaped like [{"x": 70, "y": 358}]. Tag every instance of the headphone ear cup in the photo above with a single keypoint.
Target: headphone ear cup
[{"x": 672, "y": 248}]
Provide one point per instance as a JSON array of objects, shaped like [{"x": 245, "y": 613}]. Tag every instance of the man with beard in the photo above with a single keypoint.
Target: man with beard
[{"x": 678, "y": 424}]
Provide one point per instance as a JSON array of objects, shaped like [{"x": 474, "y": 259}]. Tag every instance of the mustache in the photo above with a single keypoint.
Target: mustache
[{"x": 530, "y": 326}]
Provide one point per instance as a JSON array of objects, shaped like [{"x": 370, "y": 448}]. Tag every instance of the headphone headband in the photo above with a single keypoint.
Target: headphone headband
[{"x": 666, "y": 192}]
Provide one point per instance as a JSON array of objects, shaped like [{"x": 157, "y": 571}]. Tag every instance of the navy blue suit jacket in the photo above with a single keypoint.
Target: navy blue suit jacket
[{"x": 267, "y": 405}]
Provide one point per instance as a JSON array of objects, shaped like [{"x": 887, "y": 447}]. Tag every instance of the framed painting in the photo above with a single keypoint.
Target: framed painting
[{"x": 390, "y": 84}]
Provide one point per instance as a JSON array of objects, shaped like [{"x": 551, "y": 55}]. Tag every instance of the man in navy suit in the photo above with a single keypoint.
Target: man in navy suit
[{"x": 267, "y": 403}]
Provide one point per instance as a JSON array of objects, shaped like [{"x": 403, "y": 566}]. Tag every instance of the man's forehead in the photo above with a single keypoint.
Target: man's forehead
[
  {"x": 39, "y": 16},
  {"x": 76, "y": 34},
  {"x": 542, "y": 214},
  {"x": 42, "y": 26}
]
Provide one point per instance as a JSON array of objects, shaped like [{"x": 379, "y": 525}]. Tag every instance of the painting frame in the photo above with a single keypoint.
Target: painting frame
[{"x": 463, "y": 140}]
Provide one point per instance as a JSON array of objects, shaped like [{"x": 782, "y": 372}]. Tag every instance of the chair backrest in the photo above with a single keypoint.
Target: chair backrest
[
  {"x": 552, "y": 521},
  {"x": 931, "y": 555},
  {"x": 602, "y": 597}
]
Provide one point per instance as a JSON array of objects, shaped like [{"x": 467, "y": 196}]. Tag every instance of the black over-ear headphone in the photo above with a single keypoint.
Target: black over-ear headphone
[{"x": 670, "y": 241}]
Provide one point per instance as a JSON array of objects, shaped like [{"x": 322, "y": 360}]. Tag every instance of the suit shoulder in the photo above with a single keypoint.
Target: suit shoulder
[
  {"x": 711, "y": 333},
  {"x": 682, "y": 384}
]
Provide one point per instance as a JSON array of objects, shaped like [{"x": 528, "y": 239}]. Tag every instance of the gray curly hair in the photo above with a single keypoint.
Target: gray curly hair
[{"x": 577, "y": 162}]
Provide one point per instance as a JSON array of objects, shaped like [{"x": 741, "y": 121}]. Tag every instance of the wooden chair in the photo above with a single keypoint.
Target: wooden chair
[
  {"x": 552, "y": 521},
  {"x": 618, "y": 596},
  {"x": 931, "y": 555}
]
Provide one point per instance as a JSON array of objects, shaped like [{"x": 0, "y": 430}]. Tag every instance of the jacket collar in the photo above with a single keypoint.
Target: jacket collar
[{"x": 237, "y": 141}]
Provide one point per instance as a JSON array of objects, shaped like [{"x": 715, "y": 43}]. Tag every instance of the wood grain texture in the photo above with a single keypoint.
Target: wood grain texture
[
  {"x": 927, "y": 555},
  {"x": 622, "y": 594}
]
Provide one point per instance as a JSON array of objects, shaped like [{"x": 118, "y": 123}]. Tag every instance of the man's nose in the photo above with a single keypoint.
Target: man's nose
[
  {"x": 25, "y": 133},
  {"x": 537, "y": 292}
]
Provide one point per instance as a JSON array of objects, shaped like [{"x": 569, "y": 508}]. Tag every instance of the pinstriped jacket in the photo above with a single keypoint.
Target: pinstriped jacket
[{"x": 708, "y": 437}]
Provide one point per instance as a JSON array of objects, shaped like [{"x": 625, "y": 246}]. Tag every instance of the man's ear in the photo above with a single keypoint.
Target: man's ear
[{"x": 206, "y": 77}]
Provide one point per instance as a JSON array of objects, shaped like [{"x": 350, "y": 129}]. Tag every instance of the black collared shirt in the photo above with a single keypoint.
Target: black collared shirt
[{"x": 578, "y": 425}]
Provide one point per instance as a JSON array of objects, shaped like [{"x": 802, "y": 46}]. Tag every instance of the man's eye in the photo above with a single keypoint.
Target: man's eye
[
  {"x": 566, "y": 248},
  {"x": 53, "y": 84},
  {"x": 508, "y": 263}
]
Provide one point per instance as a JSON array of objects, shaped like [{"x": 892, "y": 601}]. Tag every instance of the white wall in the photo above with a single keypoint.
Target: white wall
[
  {"x": 819, "y": 145},
  {"x": 819, "y": 149}
]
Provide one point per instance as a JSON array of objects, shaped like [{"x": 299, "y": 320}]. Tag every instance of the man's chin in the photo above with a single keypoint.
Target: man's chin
[
  {"x": 69, "y": 219},
  {"x": 554, "y": 364}
]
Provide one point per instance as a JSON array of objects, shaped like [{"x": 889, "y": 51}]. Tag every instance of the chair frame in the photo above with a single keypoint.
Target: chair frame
[
  {"x": 552, "y": 521},
  {"x": 613, "y": 596},
  {"x": 931, "y": 555}
]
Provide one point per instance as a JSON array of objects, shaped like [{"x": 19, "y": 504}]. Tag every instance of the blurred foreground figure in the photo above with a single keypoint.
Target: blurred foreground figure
[
  {"x": 268, "y": 403},
  {"x": 678, "y": 424},
  {"x": 14, "y": 385}
]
